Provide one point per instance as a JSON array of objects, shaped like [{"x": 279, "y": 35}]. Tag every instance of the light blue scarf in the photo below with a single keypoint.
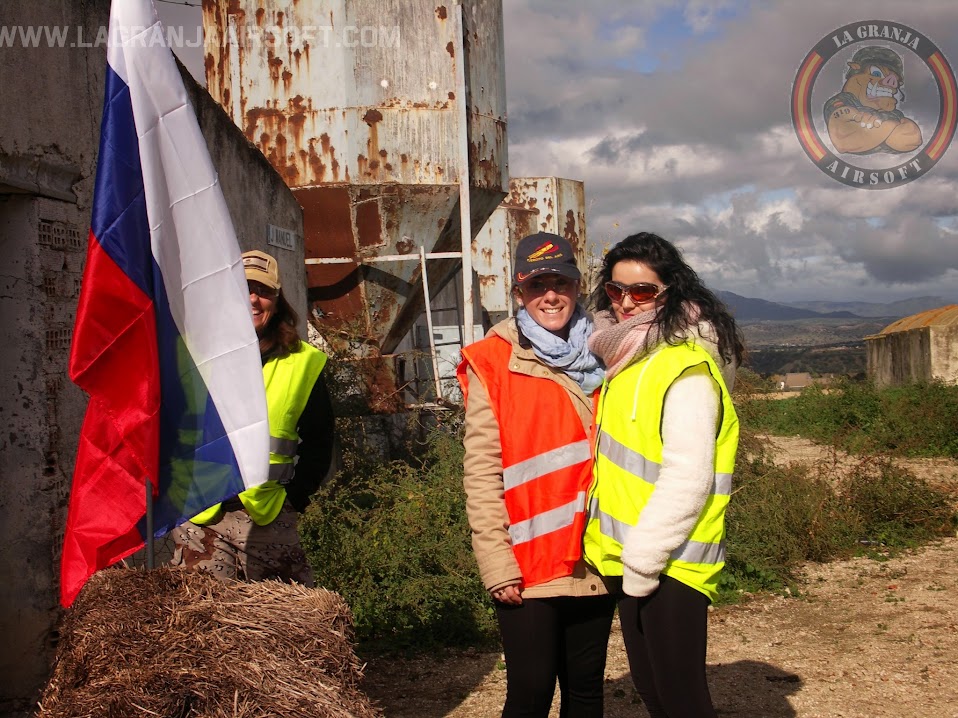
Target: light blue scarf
[{"x": 572, "y": 356}]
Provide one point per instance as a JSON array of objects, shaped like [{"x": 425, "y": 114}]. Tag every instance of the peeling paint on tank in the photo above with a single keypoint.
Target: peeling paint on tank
[{"x": 350, "y": 119}]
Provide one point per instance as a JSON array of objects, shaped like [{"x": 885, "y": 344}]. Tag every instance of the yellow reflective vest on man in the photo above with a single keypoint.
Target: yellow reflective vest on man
[
  {"x": 628, "y": 460},
  {"x": 289, "y": 381}
]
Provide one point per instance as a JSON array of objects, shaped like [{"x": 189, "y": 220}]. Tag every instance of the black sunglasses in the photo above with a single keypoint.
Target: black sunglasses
[
  {"x": 261, "y": 290},
  {"x": 639, "y": 293}
]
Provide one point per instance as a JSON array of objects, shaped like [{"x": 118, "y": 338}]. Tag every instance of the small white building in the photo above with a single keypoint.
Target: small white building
[{"x": 922, "y": 347}]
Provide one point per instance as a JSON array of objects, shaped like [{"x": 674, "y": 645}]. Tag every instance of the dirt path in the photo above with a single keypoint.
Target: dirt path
[{"x": 866, "y": 639}]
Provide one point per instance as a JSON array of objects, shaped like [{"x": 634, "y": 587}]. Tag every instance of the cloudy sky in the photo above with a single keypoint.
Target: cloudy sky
[{"x": 676, "y": 116}]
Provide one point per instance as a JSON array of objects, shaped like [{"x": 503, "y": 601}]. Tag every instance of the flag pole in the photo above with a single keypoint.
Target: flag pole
[{"x": 150, "y": 558}]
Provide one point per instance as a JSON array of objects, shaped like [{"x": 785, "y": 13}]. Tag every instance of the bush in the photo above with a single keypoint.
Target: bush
[
  {"x": 780, "y": 517},
  {"x": 894, "y": 508},
  {"x": 393, "y": 539},
  {"x": 911, "y": 420}
]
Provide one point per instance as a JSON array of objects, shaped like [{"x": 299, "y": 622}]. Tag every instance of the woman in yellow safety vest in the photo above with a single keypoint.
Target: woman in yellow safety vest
[
  {"x": 666, "y": 437},
  {"x": 529, "y": 389},
  {"x": 253, "y": 535}
]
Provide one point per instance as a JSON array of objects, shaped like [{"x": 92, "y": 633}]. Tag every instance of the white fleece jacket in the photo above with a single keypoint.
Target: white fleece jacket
[{"x": 690, "y": 417}]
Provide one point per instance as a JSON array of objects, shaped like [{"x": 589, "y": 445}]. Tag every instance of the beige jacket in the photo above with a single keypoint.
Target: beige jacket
[{"x": 482, "y": 480}]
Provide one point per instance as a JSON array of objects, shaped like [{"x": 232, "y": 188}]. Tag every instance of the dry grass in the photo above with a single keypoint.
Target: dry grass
[{"x": 180, "y": 644}]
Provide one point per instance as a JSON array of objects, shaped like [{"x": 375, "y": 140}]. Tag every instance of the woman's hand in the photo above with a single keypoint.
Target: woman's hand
[{"x": 510, "y": 595}]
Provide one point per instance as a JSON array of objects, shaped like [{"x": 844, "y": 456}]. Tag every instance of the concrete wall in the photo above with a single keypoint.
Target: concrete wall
[
  {"x": 900, "y": 358},
  {"x": 944, "y": 354},
  {"x": 49, "y": 131},
  {"x": 49, "y": 135},
  {"x": 41, "y": 411}
]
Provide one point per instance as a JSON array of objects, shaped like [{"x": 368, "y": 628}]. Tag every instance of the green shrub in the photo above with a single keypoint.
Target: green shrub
[
  {"x": 395, "y": 542},
  {"x": 780, "y": 517},
  {"x": 894, "y": 507},
  {"x": 911, "y": 420}
]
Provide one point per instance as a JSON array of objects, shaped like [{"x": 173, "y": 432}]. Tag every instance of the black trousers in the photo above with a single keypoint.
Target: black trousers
[
  {"x": 562, "y": 638},
  {"x": 665, "y": 637}
]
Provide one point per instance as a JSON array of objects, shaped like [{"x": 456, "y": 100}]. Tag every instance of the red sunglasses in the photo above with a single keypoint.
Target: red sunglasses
[{"x": 639, "y": 293}]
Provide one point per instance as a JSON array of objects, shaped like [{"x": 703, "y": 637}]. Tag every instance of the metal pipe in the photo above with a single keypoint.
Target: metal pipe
[
  {"x": 384, "y": 258},
  {"x": 465, "y": 207},
  {"x": 432, "y": 337},
  {"x": 150, "y": 557}
]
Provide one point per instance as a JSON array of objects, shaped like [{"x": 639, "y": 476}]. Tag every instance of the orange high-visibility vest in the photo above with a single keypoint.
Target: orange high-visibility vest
[{"x": 546, "y": 461}]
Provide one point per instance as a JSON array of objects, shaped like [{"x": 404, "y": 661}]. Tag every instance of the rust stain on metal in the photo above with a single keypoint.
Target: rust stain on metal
[
  {"x": 441, "y": 12},
  {"x": 268, "y": 116},
  {"x": 450, "y": 48},
  {"x": 316, "y": 163},
  {"x": 451, "y": 95},
  {"x": 368, "y": 223},
  {"x": 405, "y": 245},
  {"x": 569, "y": 232},
  {"x": 260, "y": 13},
  {"x": 372, "y": 116},
  {"x": 333, "y": 288}
]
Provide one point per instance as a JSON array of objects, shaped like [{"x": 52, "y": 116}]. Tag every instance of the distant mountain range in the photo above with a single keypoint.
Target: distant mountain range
[{"x": 748, "y": 308}]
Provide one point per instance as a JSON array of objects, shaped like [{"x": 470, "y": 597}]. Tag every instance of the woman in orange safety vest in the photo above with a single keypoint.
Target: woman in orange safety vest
[{"x": 529, "y": 388}]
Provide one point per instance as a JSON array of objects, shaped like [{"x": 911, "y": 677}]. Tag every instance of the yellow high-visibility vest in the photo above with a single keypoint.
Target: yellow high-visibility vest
[
  {"x": 628, "y": 460},
  {"x": 289, "y": 381}
]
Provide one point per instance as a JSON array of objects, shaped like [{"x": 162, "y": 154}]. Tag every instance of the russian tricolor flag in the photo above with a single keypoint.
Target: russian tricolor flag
[{"x": 164, "y": 340}]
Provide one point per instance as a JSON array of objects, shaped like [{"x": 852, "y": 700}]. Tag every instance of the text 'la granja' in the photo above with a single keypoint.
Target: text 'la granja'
[{"x": 868, "y": 32}]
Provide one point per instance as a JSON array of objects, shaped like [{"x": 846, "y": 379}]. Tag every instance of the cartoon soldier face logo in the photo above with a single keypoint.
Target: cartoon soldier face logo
[{"x": 865, "y": 118}]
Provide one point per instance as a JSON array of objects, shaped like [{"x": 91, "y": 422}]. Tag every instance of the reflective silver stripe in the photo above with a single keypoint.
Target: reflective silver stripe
[
  {"x": 722, "y": 485},
  {"x": 689, "y": 551},
  {"x": 283, "y": 447},
  {"x": 628, "y": 459},
  {"x": 561, "y": 458},
  {"x": 281, "y": 473},
  {"x": 646, "y": 469},
  {"x": 699, "y": 552},
  {"x": 547, "y": 521},
  {"x": 609, "y": 525}
]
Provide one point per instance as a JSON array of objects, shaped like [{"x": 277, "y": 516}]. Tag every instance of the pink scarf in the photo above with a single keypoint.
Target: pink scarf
[{"x": 619, "y": 345}]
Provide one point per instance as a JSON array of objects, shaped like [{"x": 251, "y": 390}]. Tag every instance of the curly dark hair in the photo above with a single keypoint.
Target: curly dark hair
[
  {"x": 280, "y": 337},
  {"x": 684, "y": 288}
]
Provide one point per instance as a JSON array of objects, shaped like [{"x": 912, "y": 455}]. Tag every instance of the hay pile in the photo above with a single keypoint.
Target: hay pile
[{"x": 180, "y": 644}]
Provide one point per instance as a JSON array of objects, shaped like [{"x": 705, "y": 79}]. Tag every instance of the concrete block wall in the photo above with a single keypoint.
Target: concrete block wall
[{"x": 44, "y": 246}]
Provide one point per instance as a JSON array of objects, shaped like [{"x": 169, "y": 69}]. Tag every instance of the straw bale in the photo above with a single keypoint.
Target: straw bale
[{"x": 181, "y": 644}]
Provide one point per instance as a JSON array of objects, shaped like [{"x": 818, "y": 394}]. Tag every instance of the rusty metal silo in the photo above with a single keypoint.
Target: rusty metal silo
[{"x": 368, "y": 110}]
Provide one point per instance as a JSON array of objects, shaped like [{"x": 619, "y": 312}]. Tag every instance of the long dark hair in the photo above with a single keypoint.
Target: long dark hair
[
  {"x": 684, "y": 288},
  {"x": 280, "y": 336}
]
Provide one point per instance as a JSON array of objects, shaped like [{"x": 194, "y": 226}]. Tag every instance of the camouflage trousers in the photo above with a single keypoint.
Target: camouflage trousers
[{"x": 236, "y": 548}]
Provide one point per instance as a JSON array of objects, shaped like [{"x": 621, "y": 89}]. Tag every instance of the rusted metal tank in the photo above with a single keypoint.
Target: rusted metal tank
[
  {"x": 534, "y": 204},
  {"x": 358, "y": 105}
]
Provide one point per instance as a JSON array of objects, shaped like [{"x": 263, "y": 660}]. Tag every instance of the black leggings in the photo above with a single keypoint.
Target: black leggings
[
  {"x": 665, "y": 637},
  {"x": 548, "y": 638}
]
